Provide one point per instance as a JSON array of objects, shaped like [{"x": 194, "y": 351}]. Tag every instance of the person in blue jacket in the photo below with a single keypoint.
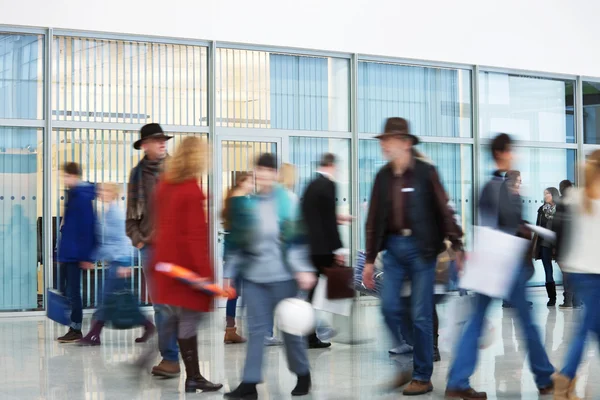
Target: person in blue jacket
[{"x": 77, "y": 242}]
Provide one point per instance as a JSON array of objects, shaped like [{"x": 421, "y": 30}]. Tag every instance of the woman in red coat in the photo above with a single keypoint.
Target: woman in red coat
[{"x": 182, "y": 239}]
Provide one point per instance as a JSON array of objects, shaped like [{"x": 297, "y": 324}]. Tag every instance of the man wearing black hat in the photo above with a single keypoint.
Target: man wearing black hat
[
  {"x": 140, "y": 226},
  {"x": 409, "y": 218}
]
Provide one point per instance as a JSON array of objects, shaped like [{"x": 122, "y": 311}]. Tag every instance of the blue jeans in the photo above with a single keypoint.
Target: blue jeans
[
  {"x": 402, "y": 260},
  {"x": 169, "y": 350},
  {"x": 467, "y": 348},
  {"x": 260, "y": 300},
  {"x": 112, "y": 283},
  {"x": 73, "y": 292},
  {"x": 547, "y": 261},
  {"x": 588, "y": 288}
]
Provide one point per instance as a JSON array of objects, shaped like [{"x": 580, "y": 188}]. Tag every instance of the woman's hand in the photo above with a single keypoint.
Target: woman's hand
[
  {"x": 306, "y": 280},
  {"x": 123, "y": 272}
]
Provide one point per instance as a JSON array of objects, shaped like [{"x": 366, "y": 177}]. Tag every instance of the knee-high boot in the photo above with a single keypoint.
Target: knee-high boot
[
  {"x": 551, "y": 290},
  {"x": 194, "y": 380}
]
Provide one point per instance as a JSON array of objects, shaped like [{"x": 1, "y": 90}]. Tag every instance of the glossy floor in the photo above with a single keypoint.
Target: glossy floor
[{"x": 34, "y": 366}]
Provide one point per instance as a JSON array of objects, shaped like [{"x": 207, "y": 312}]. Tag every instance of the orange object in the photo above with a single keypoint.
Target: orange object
[{"x": 191, "y": 278}]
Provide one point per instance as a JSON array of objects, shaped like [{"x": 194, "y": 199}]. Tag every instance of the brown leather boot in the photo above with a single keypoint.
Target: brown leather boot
[
  {"x": 417, "y": 388},
  {"x": 564, "y": 388},
  {"x": 167, "y": 369},
  {"x": 232, "y": 337},
  {"x": 194, "y": 381}
]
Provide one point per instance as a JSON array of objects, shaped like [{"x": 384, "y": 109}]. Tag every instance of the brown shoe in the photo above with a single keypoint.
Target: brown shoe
[
  {"x": 466, "y": 394},
  {"x": 564, "y": 388},
  {"x": 167, "y": 369},
  {"x": 232, "y": 337},
  {"x": 417, "y": 388}
]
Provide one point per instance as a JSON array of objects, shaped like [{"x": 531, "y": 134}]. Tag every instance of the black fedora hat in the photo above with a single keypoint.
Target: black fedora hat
[
  {"x": 398, "y": 127},
  {"x": 150, "y": 131}
]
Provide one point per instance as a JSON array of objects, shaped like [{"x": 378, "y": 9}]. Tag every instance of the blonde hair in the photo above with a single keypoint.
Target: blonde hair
[
  {"x": 591, "y": 175},
  {"x": 287, "y": 176},
  {"x": 113, "y": 188},
  {"x": 188, "y": 162}
]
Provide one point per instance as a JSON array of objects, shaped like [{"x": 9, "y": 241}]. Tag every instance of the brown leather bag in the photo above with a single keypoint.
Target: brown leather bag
[
  {"x": 442, "y": 266},
  {"x": 339, "y": 282}
]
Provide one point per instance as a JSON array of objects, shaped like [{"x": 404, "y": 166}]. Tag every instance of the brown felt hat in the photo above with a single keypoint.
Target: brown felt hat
[{"x": 398, "y": 127}]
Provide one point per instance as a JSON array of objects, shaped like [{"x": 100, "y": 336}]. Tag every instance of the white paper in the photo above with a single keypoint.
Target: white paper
[
  {"x": 321, "y": 302},
  {"x": 546, "y": 234},
  {"x": 491, "y": 269}
]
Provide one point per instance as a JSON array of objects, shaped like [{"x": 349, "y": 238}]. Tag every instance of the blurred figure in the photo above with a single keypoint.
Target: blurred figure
[
  {"x": 114, "y": 248},
  {"x": 77, "y": 242},
  {"x": 544, "y": 248},
  {"x": 409, "y": 218},
  {"x": 571, "y": 300},
  {"x": 579, "y": 215},
  {"x": 140, "y": 228},
  {"x": 182, "y": 239},
  {"x": 499, "y": 208},
  {"x": 273, "y": 264},
  {"x": 244, "y": 186},
  {"x": 319, "y": 211}
]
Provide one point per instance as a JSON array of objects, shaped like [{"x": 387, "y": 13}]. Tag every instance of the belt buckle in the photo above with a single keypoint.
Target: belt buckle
[{"x": 406, "y": 232}]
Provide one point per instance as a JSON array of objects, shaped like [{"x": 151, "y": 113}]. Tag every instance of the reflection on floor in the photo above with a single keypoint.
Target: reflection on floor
[{"x": 34, "y": 366}]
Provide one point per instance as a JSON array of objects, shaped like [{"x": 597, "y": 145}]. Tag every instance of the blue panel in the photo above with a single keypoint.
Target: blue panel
[{"x": 299, "y": 92}]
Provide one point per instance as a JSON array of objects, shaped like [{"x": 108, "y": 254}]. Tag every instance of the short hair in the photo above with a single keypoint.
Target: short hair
[
  {"x": 72, "y": 168},
  {"x": 501, "y": 143},
  {"x": 565, "y": 185},
  {"x": 327, "y": 160},
  {"x": 267, "y": 160}
]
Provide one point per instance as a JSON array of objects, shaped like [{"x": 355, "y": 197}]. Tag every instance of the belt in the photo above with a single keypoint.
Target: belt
[{"x": 404, "y": 232}]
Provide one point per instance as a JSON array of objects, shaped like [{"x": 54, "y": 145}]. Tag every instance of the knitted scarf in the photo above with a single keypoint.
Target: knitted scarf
[
  {"x": 137, "y": 192},
  {"x": 549, "y": 210}
]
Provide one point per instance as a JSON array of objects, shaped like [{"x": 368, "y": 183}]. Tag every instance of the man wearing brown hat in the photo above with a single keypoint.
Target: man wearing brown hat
[
  {"x": 409, "y": 218},
  {"x": 140, "y": 227}
]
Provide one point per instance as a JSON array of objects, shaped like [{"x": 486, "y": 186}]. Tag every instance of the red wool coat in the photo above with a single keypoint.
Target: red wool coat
[{"x": 181, "y": 238}]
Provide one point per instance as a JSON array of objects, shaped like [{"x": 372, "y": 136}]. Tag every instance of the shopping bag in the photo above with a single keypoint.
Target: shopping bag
[
  {"x": 59, "y": 307},
  {"x": 121, "y": 310},
  {"x": 492, "y": 268},
  {"x": 339, "y": 282},
  {"x": 323, "y": 303},
  {"x": 358, "y": 277}
]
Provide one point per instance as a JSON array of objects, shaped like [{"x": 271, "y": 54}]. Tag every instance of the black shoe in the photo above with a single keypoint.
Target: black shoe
[
  {"x": 246, "y": 391},
  {"x": 192, "y": 385},
  {"x": 303, "y": 386},
  {"x": 318, "y": 344},
  {"x": 74, "y": 335},
  {"x": 436, "y": 354},
  {"x": 506, "y": 304}
]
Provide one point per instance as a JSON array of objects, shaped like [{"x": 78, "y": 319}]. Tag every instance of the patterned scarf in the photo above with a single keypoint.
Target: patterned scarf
[
  {"x": 137, "y": 191},
  {"x": 549, "y": 210}
]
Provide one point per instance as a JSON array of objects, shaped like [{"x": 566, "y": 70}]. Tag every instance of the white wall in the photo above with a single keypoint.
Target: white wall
[{"x": 550, "y": 35}]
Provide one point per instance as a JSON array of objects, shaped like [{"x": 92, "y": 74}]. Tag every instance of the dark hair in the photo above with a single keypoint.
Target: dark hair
[
  {"x": 327, "y": 160},
  {"x": 501, "y": 143},
  {"x": 564, "y": 186},
  {"x": 72, "y": 168},
  {"x": 267, "y": 160},
  {"x": 554, "y": 193},
  {"x": 240, "y": 178}
]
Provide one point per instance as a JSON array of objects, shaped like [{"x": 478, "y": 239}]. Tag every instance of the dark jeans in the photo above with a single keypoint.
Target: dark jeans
[
  {"x": 73, "y": 292},
  {"x": 547, "y": 261},
  {"x": 403, "y": 260}
]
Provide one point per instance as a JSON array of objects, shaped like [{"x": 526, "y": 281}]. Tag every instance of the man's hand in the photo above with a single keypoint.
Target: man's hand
[
  {"x": 306, "y": 280},
  {"x": 140, "y": 245},
  {"x": 340, "y": 259},
  {"x": 85, "y": 265},
  {"x": 123, "y": 272},
  {"x": 368, "y": 276}
]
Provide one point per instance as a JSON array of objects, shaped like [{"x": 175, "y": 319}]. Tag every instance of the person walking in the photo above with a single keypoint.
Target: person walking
[
  {"x": 114, "y": 249},
  {"x": 243, "y": 187},
  {"x": 545, "y": 248},
  {"x": 274, "y": 266},
  {"x": 580, "y": 214},
  {"x": 570, "y": 298},
  {"x": 140, "y": 229},
  {"x": 319, "y": 212},
  {"x": 77, "y": 243},
  {"x": 409, "y": 218},
  {"x": 499, "y": 208},
  {"x": 182, "y": 239}
]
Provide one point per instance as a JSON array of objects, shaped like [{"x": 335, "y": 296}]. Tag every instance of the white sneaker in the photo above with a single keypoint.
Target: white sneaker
[
  {"x": 273, "y": 341},
  {"x": 402, "y": 349}
]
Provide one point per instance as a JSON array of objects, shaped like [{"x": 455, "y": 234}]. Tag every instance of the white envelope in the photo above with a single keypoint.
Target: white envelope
[
  {"x": 492, "y": 268},
  {"x": 321, "y": 302}
]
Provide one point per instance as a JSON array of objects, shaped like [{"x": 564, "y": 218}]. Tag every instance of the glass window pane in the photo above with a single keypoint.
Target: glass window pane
[
  {"x": 257, "y": 89},
  {"x": 591, "y": 112},
  {"x": 21, "y": 76},
  {"x": 528, "y": 108},
  {"x": 305, "y": 154},
  {"x": 540, "y": 169},
  {"x": 21, "y": 270},
  {"x": 129, "y": 82},
  {"x": 454, "y": 163},
  {"x": 104, "y": 156},
  {"x": 436, "y": 101}
]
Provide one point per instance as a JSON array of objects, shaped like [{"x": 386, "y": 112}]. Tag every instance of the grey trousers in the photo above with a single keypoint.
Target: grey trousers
[
  {"x": 260, "y": 300},
  {"x": 180, "y": 322}
]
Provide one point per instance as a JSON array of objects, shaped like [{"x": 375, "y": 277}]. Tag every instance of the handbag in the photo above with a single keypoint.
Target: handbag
[
  {"x": 59, "y": 307},
  {"x": 122, "y": 310},
  {"x": 339, "y": 282},
  {"x": 442, "y": 266}
]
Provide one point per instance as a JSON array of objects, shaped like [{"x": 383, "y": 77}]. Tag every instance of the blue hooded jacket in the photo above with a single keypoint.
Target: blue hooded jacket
[{"x": 78, "y": 236}]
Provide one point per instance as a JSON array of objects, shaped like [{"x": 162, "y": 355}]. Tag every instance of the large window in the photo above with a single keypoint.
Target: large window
[
  {"x": 436, "y": 101},
  {"x": 21, "y": 76},
  {"x": 257, "y": 89},
  {"x": 130, "y": 82},
  {"x": 591, "y": 112},
  {"x": 529, "y": 108}
]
